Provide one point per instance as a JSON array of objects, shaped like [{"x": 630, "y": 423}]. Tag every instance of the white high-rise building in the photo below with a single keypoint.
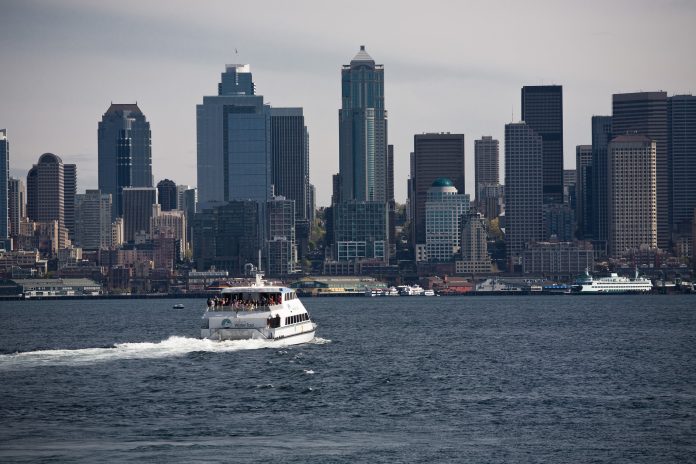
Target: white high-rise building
[{"x": 93, "y": 220}]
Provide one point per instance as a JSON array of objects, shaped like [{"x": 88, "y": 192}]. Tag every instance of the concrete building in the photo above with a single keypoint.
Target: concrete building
[
  {"x": 559, "y": 222},
  {"x": 474, "y": 246},
  {"x": 169, "y": 224},
  {"x": 434, "y": 156},
  {"x": 167, "y": 195},
  {"x": 645, "y": 113},
  {"x": 137, "y": 210},
  {"x": 491, "y": 201},
  {"x": 363, "y": 130},
  {"x": 444, "y": 209},
  {"x": 524, "y": 182},
  {"x": 93, "y": 220},
  {"x": 486, "y": 163},
  {"x": 69, "y": 192},
  {"x": 632, "y": 194},
  {"x": 125, "y": 152},
  {"x": 180, "y": 196},
  {"x": 601, "y": 136},
  {"x": 46, "y": 194},
  {"x": 558, "y": 258},
  {"x": 583, "y": 190},
  {"x": 542, "y": 111}
]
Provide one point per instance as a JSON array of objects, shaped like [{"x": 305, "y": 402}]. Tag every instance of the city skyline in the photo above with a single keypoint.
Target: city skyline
[{"x": 302, "y": 71}]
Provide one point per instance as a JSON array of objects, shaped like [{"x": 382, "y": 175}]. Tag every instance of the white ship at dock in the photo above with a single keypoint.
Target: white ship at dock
[{"x": 612, "y": 284}]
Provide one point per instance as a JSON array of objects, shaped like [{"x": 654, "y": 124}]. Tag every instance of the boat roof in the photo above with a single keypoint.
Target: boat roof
[{"x": 262, "y": 289}]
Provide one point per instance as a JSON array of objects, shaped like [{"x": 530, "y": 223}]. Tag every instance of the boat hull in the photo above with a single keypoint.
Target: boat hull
[{"x": 284, "y": 337}]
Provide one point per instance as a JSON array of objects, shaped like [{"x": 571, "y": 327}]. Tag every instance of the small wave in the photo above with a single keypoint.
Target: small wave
[
  {"x": 319, "y": 341},
  {"x": 172, "y": 347},
  {"x": 308, "y": 371}
]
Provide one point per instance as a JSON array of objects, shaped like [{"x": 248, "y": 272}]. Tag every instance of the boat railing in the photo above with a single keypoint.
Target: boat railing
[{"x": 244, "y": 307}]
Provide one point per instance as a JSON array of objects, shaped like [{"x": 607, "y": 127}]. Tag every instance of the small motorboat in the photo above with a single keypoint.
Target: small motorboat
[{"x": 178, "y": 306}]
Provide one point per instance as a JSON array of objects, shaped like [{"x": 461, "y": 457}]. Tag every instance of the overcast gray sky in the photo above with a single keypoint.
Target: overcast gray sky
[{"x": 450, "y": 66}]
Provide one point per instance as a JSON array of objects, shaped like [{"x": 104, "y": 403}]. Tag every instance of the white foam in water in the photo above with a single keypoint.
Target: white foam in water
[{"x": 171, "y": 347}]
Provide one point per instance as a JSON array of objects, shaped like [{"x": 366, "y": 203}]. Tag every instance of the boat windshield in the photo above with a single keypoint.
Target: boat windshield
[{"x": 245, "y": 301}]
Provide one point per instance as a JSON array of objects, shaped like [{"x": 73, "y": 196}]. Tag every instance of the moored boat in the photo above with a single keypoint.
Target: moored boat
[{"x": 612, "y": 284}]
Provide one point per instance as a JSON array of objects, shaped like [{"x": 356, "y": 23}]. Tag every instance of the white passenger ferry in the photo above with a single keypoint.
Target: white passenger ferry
[
  {"x": 258, "y": 312},
  {"x": 612, "y": 284}
]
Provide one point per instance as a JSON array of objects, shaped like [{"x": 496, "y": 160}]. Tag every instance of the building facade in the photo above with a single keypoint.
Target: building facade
[
  {"x": 632, "y": 193},
  {"x": 360, "y": 231},
  {"x": 434, "y": 156},
  {"x": 125, "y": 152},
  {"x": 17, "y": 204},
  {"x": 583, "y": 190},
  {"x": 474, "y": 246},
  {"x": 233, "y": 133},
  {"x": 601, "y": 136},
  {"x": 281, "y": 247},
  {"x": 93, "y": 220},
  {"x": 524, "y": 183},
  {"x": 46, "y": 194},
  {"x": 4, "y": 187},
  {"x": 645, "y": 113},
  {"x": 681, "y": 141},
  {"x": 486, "y": 163},
  {"x": 167, "y": 195},
  {"x": 558, "y": 258},
  {"x": 363, "y": 130},
  {"x": 444, "y": 210},
  {"x": 542, "y": 110},
  {"x": 137, "y": 211}
]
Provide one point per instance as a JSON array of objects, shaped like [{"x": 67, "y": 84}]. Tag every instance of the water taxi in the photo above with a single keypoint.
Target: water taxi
[{"x": 258, "y": 312}]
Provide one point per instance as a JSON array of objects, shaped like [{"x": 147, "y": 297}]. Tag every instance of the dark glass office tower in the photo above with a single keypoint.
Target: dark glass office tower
[
  {"x": 583, "y": 190},
  {"x": 434, "y": 156},
  {"x": 290, "y": 158},
  {"x": 167, "y": 195},
  {"x": 125, "y": 154},
  {"x": 363, "y": 130},
  {"x": 542, "y": 111},
  {"x": 233, "y": 134},
  {"x": 601, "y": 136},
  {"x": 682, "y": 153},
  {"x": 524, "y": 211},
  {"x": 645, "y": 113}
]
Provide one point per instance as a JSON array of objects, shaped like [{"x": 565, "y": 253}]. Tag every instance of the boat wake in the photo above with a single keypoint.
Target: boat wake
[{"x": 172, "y": 347}]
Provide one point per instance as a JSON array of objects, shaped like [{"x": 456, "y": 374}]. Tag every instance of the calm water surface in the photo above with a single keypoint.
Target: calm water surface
[{"x": 463, "y": 379}]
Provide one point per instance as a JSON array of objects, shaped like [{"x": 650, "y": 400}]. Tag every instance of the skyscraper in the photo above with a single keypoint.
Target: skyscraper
[
  {"x": 542, "y": 111},
  {"x": 4, "y": 179},
  {"x": 434, "y": 156},
  {"x": 646, "y": 113},
  {"x": 486, "y": 164},
  {"x": 167, "y": 195},
  {"x": 125, "y": 153},
  {"x": 363, "y": 130},
  {"x": 17, "y": 204},
  {"x": 632, "y": 173},
  {"x": 682, "y": 153},
  {"x": 233, "y": 132},
  {"x": 281, "y": 250},
  {"x": 46, "y": 194},
  {"x": 524, "y": 182},
  {"x": 290, "y": 157},
  {"x": 93, "y": 220},
  {"x": 444, "y": 209},
  {"x": 137, "y": 210},
  {"x": 601, "y": 135},
  {"x": 583, "y": 189},
  {"x": 69, "y": 192},
  {"x": 474, "y": 248}
]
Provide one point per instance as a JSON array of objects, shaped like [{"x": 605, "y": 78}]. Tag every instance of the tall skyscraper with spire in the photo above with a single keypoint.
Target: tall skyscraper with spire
[
  {"x": 125, "y": 152},
  {"x": 363, "y": 130}
]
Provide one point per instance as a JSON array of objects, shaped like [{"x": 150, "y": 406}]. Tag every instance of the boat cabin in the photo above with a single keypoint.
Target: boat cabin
[{"x": 249, "y": 299}]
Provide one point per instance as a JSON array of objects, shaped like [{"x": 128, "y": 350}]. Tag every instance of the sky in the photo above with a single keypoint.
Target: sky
[{"x": 450, "y": 66}]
